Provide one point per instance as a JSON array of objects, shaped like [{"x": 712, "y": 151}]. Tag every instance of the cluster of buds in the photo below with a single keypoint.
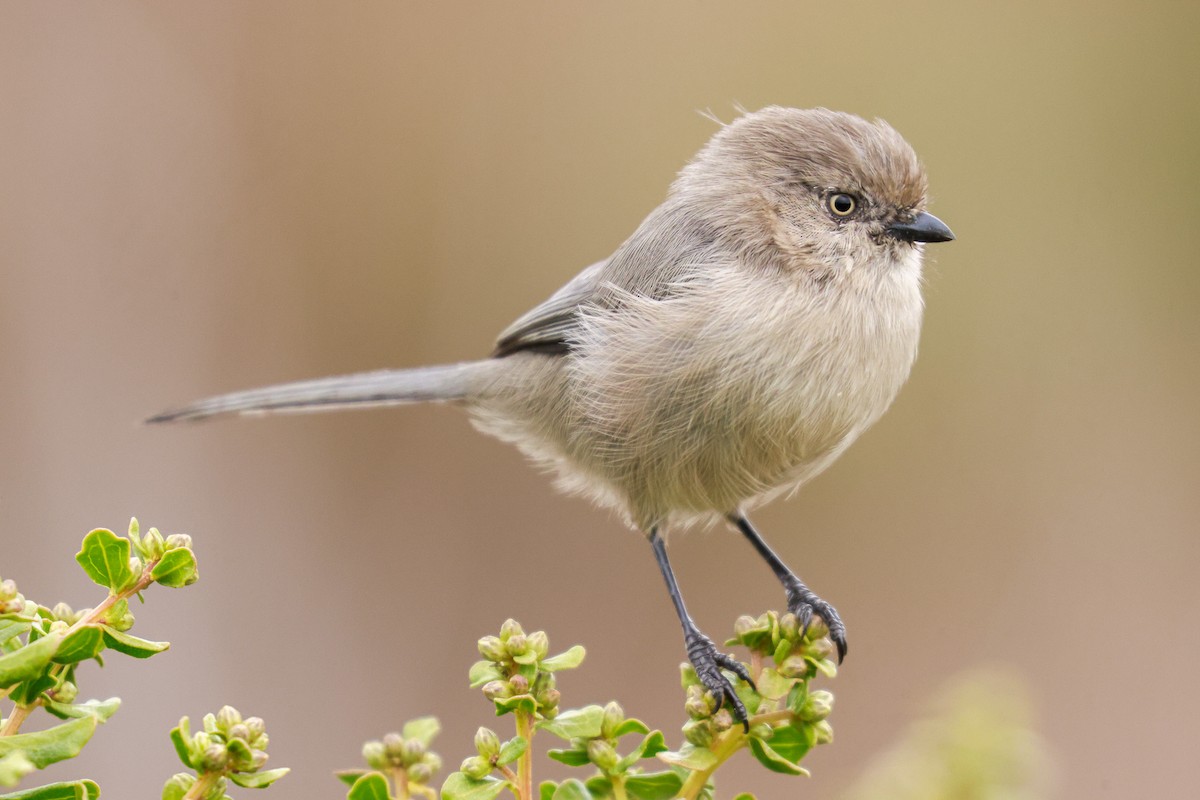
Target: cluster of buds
[
  {"x": 230, "y": 744},
  {"x": 410, "y": 758},
  {"x": 602, "y": 749},
  {"x": 153, "y": 548},
  {"x": 796, "y": 653},
  {"x": 705, "y": 720},
  {"x": 228, "y": 747},
  {"x": 11, "y": 601},
  {"x": 518, "y": 670}
]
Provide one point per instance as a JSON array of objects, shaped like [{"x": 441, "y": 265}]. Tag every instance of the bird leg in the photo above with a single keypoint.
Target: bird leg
[
  {"x": 701, "y": 651},
  {"x": 802, "y": 601}
]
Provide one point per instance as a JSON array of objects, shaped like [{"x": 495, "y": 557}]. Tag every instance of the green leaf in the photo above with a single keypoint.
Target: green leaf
[
  {"x": 574, "y": 757},
  {"x": 349, "y": 776},
  {"x": 26, "y": 693},
  {"x": 30, "y": 660},
  {"x": 131, "y": 645},
  {"x": 772, "y": 760},
  {"x": 258, "y": 780},
  {"x": 483, "y": 672},
  {"x": 181, "y": 737},
  {"x": 824, "y": 666},
  {"x": 653, "y": 786},
  {"x": 797, "y": 696},
  {"x": 105, "y": 558},
  {"x": 744, "y": 796},
  {"x": 79, "y": 645},
  {"x": 459, "y": 787},
  {"x": 690, "y": 757},
  {"x": 571, "y": 790},
  {"x": 518, "y": 702},
  {"x": 630, "y": 725},
  {"x": 176, "y": 568},
  {"x": 651, "y": 746},
  {"x": 511, "y": 750},
  {"x": 772, "y": 685},
  {"x": 599, "y": 786},
  {"x": 577, "y": 723},
  {"x": 568, "y": 660},
  {"x": 372, "y": 786},
  {"x": 793, "y": 742},
  {"x": 75, "y": 790},
  {"x": 546, "y": 790},
  {"x": 53, "y": 744},
  {"x": 11, "y": 628},
  {"x": 423, "y": 729},
  {"x": 101, "y": 710},
  {"x": 13, "y": 767}
]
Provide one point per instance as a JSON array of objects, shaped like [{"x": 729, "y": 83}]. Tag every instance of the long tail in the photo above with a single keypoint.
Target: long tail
[{"x": 383, "y": 388}]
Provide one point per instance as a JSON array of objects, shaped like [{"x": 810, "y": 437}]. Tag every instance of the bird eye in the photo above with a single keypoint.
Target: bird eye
[{"x": 841, "y": 204}]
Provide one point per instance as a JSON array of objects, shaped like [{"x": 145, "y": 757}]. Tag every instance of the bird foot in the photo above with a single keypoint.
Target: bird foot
[
  {"x": 803, "y": 602},
  {"x": 708, "y": 661}
]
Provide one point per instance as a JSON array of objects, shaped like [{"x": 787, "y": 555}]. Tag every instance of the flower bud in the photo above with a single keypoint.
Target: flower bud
[
  {"x": 517, "y": 644},
  {"x": 698, "y": 731},
  {"x": 8, "y": 589},
  {"x": 491, "y": 648},
  {"x": 699, "y": 704},
  {"x": 135, "y": 565},
  {"x": 394, "y": 743},
  {"x": 818, "y": 648},
  {"x": 744, "y": 627},
  {"x": 178, "y": 540},
  {"x": 509, "y": 629},
  {"x": 602, "y": 754},
  {"x": 411, "y": 751},
  {"x": 817, "y": 706},
  {"x": 789, "y": 627},
  {"x": 257, "y": 730},
  {"x": 817, "y": 629},
  {"x": 722, "y": 720},
  {"x": 240, "y": 731},
  {"x": 63, "y": 611},
  {"x": 433, "y": 761},
  {"x": 476, "y": 768},
  {"x": 794, "y": 666},
  {"x": 375, "y": 754},
  {"x": 227, "y": 717},
  {"x": 519, "y": 684},
  {"x": 214, "y": 758},
  {"x": 487, "y": 743},
  {"x": 66, "y": 692},
  {"x": 497, "y": 690},
  {"x": 539, "y": 642},
  {"x": 614, "y": 715},
  {"x": 420, "y": 773},
  {"x": 824, "y": 732},
  {"x": 548, "y": 699},
  {"x": 152, "y": 547}
]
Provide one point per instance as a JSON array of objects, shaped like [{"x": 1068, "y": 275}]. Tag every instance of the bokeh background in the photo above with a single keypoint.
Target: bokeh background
[{"x": 204, "y": 197}]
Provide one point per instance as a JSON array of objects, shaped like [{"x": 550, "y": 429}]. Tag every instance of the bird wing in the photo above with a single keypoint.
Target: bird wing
[
  {"x": 547, "y": 327},
  {"x": 655, "y": 262}
]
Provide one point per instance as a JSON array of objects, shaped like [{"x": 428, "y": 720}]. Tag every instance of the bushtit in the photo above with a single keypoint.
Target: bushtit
[{"x": 749, "y": 330}]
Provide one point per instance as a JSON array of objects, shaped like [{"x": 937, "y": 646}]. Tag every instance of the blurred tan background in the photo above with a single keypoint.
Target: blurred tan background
[{"x": 197, "y": 198}]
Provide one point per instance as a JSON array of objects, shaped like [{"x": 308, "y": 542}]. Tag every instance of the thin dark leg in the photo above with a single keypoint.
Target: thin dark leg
[
  {"x": 802, "y": 601},
  {"x": 700, "y": 649}
]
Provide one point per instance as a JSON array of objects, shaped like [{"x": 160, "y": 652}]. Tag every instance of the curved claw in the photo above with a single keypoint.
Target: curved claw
[
  {"x": 803, "y": 602},
  {"x": 707, "y": 661}
]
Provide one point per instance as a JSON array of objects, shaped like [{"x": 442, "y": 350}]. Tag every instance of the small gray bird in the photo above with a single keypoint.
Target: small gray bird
[{"x": 749, "y": 330}]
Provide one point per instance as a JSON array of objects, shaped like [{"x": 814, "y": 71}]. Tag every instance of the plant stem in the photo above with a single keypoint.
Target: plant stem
[
  {"x": 201, "y": 787},
  {"x": 525, "y": 762},
  {"x": 13, "y": 724},
  {"x": 618, "y": 784},
  {"x": 725, "y": 746},
  {"x": 400, "y": 777},
  {"x": 18, "y": 715}
]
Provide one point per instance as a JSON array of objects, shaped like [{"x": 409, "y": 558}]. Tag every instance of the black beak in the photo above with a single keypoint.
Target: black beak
[{"x": 924, "y": 227}]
